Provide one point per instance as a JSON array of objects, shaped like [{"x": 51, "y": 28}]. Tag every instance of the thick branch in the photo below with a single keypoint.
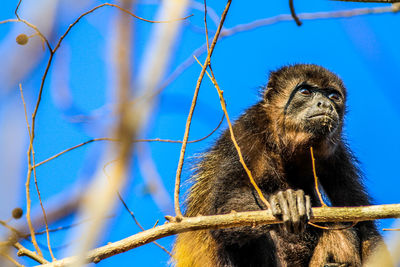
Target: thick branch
[{"x": 253, "y": 218}]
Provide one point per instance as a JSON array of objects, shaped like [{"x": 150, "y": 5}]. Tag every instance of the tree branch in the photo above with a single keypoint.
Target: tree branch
[{"x": 234, "y": 219}]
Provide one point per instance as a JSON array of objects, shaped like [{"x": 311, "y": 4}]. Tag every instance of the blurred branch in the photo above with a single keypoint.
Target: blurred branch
[
  {"x": 31, "y": 128},
  {"x": 123, "y": 130},
  {"x": 132, "y": 214},
  {"x": 153, "y": 180},
  {"x": 11, "y": 259},
  {"x": 234, "y": 219},
  {"x": 22, "y": 251}
]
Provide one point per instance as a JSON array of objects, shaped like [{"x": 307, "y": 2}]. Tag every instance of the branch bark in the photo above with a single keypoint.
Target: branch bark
[{"x": 234, "y": 219}]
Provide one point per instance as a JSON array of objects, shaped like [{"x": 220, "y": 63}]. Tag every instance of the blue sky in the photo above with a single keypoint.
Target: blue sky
[{"x": 77, "y": 100}]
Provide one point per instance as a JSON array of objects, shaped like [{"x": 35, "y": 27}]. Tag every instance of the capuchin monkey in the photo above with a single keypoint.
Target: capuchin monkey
[{"x": 302, "y": 106}]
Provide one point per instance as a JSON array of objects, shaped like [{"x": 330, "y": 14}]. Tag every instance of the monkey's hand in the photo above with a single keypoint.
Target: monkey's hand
[{"x": 293, "y": 208}]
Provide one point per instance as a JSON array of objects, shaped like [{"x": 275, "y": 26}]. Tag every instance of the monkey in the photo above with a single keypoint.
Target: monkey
[{"x": 302, "y": 106}]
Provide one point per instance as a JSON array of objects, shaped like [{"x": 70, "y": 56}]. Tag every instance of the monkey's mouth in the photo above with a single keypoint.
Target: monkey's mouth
[{"x": 321, "y": 116}]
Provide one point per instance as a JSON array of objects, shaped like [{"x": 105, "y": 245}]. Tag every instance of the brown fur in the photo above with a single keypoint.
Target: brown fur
[
  {"x": 275, "y": 140},
  {"x": 337, "y": 246}
]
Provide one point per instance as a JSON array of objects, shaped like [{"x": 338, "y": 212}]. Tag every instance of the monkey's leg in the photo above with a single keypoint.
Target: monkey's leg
[{"x": 340, "y": 247}]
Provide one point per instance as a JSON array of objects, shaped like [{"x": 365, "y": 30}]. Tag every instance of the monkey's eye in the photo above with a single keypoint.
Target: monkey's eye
[
  {"x": 305, "y": 91},
  {"x": 334, "y": 96}
]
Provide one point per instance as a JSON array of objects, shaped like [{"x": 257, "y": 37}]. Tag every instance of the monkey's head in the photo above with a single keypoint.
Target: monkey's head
[{"x": 308, "y": 105}]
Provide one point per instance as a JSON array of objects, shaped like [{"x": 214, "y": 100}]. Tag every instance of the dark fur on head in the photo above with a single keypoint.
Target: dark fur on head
[
  {"x": 275, "y": 136},
  {"x": 291, "y": 133}
]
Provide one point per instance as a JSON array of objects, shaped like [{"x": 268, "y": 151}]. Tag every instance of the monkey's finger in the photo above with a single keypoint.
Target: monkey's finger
[
  {"x": 308, "y": 207},
  {"x": 294, "y": 214},
  {"x": 285, "y": 211},
  {"x": 301, "y": 203},
  {"x": 301, "y": 206},
  {"x": 275, "y": 208}
]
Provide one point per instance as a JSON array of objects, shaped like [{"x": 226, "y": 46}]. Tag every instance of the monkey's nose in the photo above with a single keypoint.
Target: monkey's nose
[{"x": 324, "y": 105}]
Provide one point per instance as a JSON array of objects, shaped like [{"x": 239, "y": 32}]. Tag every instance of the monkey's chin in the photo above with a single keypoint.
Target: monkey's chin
[{"x": 321, "y": 127}]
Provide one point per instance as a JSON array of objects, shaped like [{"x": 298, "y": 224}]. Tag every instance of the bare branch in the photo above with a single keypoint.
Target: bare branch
[
  {"x": 293, "y": 13},
  {"x": 316, "y": 178},
  {"x": 22, "y": 251},
  {"x": 189, "y": 119},
  {"x": 250, "y": 218},
  {"x": 112, "y": 5},
  {"x": 237, "y": 147}
]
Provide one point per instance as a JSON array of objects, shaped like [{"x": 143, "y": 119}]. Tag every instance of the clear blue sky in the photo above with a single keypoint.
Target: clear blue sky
[{"x": 362, "y": 50}]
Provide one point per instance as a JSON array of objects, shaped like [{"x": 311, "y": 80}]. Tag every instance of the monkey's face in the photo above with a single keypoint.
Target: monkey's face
[
  {"x": 314, "y": 110},
  {"x": 305, "y": 103}
]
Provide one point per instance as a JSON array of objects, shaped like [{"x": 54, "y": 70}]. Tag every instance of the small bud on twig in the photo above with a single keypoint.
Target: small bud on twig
[
  {"x": 22, "y": 39},
  {"x": 17, "y": 213}
]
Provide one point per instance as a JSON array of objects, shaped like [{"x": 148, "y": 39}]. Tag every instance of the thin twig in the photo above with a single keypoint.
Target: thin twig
[
  {"x": 46, "y": 224},
  {"x": 16, "y": 9},
  {"x": 223, "y": 106},
  {"x": 134, "y": 141},
  {"x": 25, "y": 109},
  {"x": 189, "y": 119},
  {"x": 249, "y": 218},
  {"x": 28, "y": 199},
  {"x": 210, "y": 12},
  {"x": 316, "y": 179},
  {"x": 60, "y": 228},
  {"x": 31, "y": 152},
  {"x": 31, "y": 162},
  {"x": 131, "y": 212},
  {"x": 72, "y": 148},
  {"x": 116, "y": 6},
  {"x": 153, "y": 180},
  {"x": 340, "y": 228},
  {"x": 9, "y": 20},
  {"x": 293, "y": 13},
  {"x": 138, "y": 223},
  {"x": 205, "y": 25},
  {"x": 323, "y": 204}
]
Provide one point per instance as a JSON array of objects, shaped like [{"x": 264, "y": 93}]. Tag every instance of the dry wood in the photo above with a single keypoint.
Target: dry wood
[{"x": 234, "y": 219}]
